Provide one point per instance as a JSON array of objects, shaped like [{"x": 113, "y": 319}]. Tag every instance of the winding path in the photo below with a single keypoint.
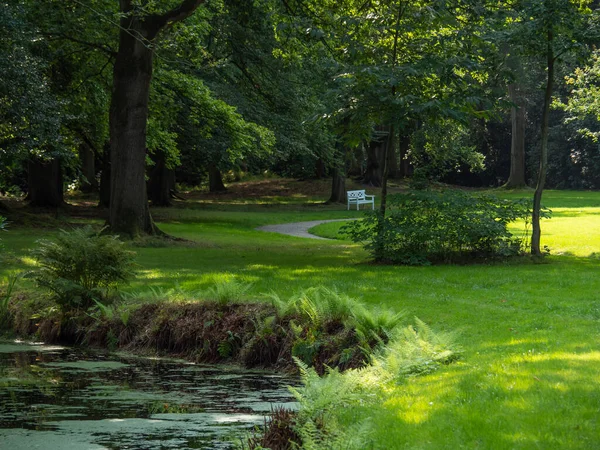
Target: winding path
[{"x": 299, "y": 229}]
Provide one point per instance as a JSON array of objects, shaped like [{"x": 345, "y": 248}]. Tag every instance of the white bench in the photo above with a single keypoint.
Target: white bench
[{"x": 359, "y": 198}]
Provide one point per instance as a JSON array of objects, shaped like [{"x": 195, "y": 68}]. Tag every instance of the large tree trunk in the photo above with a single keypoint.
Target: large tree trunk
[
  {"x": 45, "y": 183},
  {"x": 320, "y": 169},
  {"x": 536, "y": 231},
  {"x": 129, "y": 212},
  {"x": 88, "y": 169},
  {"x": 338, "y": 187},
  {"x": 375, "y": 162},
  {"x": 161, "y": 181},
  {"x": 516, "y": 178},
  {"x": 215, "y": 181},
  {"x": 104, "y": 201}
]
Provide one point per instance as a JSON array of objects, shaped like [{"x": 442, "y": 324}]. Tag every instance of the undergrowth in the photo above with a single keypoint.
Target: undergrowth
[
  {"x": 80, "y": 267},
  {"x": 412, "y": 351},
  {"x": 319, "y": 326}
]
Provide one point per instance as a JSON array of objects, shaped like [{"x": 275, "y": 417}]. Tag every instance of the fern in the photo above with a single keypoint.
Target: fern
[
  {"x": 418, "y": 350},
  {"x": 227, "y": 291},
  {"x": 412, "y": 350}
]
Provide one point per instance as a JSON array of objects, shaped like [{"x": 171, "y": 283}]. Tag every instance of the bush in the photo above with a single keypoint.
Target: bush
[
  {"x": 81, "y": 266},
  {"x": 425, "y": 227}
]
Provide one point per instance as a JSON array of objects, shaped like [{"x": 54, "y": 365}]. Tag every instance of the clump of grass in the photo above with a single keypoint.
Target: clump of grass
[
  {"x": 227, "y": 291},
  {"x": 279, "y": 432},
  {"x": 155, "y": 295}
]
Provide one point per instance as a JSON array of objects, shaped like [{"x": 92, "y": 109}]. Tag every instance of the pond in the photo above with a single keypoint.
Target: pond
[{"x": 55, "y": 397}]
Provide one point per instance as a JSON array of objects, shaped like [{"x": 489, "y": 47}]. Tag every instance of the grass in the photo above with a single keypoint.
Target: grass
[{"x": 530, "y": 333}]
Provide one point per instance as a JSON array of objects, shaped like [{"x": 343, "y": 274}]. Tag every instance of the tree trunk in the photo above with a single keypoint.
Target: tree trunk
[
  {"x": 338, "y": 187},
  {"x": 516, "y": 178},
  {"x": 129, "y": 213},
  {"x": 375, "y": 156},
  {"x": 388, "y": 149},
  {"x": 161, "y": 181},
  {"x": 541, "y": 181},
  {"x": 392, "y": 160},
  {"x": 215, "y": 181},
  {"x": 320, "y": 171},
  {"x": 380, "y": 246},
  {"x": 45, "y": 183},
  {"x": 88, "y": 169},
  {"x": 104, "y": 201}
]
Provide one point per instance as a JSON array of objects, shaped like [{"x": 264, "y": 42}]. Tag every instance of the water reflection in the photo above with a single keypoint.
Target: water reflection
[{"x": 54, "y": 397}]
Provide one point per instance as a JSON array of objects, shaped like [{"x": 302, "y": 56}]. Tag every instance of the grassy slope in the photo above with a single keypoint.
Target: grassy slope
[{"x": 530, "y": 375}]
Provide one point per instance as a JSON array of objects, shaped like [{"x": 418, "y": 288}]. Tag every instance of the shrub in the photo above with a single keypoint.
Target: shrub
[
  {"x": 424, "y": 227},
  {"x": 81, "y": 266}
]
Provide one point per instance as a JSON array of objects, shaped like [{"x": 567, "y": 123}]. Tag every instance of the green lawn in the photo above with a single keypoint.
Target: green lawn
[{"x": 530, "y": 333}]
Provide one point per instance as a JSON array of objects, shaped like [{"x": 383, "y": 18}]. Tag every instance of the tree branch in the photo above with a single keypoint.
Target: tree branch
[
  {"x": 158, "y": 21},
  {"x": 107, "y": 50}
]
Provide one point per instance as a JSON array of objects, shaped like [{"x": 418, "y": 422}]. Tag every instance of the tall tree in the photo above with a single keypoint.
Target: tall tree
[
  {"x": 139, "y": 27},
  {"x": 518, "y": 120},
  {"x": 551, "y": 30}
]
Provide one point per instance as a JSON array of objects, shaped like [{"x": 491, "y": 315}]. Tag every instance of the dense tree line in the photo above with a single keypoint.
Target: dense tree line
[{"x": 129, "y": 98}]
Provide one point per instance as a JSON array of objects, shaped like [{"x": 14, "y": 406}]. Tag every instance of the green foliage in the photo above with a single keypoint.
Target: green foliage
[
  {"x": 413, "y": 351},
  {"x": 423, "y": 227},
  {"x": 5, "y": 296},
  {"x": 444, "y": 146},
  {"x": 417, "y": 350},
  {"x": 227, "y": 291},
  {"x": 324, "y": 319},
  {"x": 318, "y": 306},
  {"x": 80, "y": 266}
]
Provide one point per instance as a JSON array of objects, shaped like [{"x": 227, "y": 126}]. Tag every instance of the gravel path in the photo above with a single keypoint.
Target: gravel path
[{"x": 299, "y": 229}]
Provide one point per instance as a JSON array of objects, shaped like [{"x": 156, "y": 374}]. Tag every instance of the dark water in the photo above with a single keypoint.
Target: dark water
[{"x": 63, "y": 398}]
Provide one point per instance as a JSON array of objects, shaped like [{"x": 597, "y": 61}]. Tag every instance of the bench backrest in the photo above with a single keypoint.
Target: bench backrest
[{"x": 359, "y": 195}]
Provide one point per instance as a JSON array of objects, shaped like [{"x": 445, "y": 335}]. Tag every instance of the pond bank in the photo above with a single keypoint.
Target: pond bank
[{"x": 253, "y": 335}]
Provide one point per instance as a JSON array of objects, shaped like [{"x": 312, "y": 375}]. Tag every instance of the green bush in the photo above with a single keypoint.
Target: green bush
[
  {"x": 425, "y": 227},
  {"x": 81, "y": 266}
]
